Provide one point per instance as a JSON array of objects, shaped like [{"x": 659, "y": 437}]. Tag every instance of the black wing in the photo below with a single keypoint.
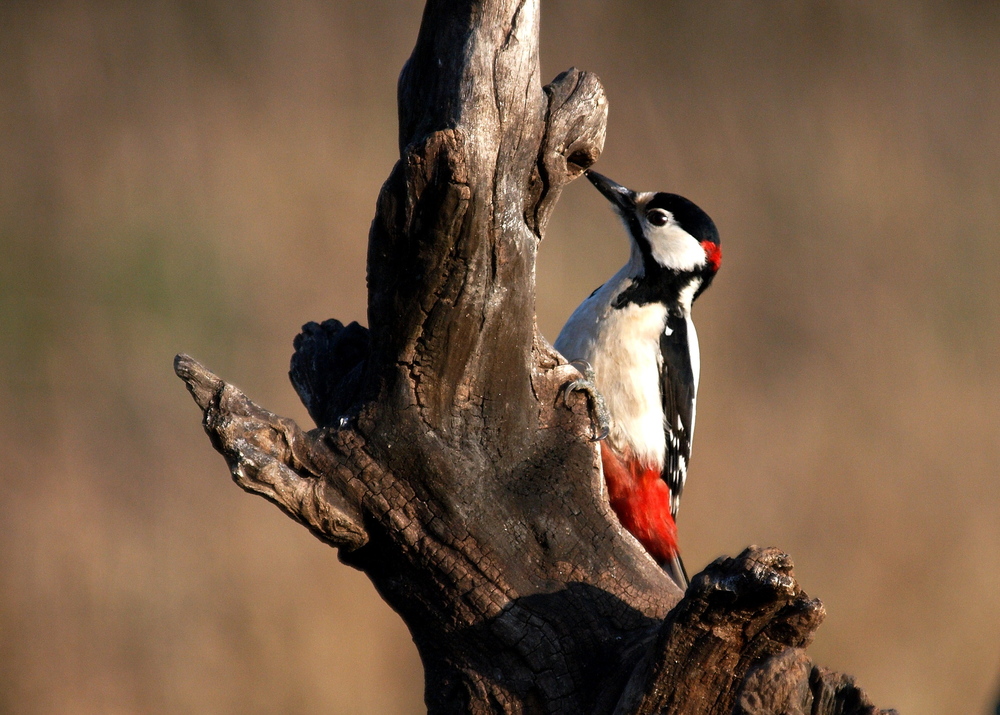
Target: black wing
[{"x": 678, "y": 392}]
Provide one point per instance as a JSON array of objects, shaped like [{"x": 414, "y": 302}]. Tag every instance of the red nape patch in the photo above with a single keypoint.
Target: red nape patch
[
  {"x": 713, "y": 254},
  {"x": 641, "y": 499}
]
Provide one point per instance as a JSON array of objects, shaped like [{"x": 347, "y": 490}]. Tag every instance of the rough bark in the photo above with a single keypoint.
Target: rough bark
[{"x": 445, "y": 463}]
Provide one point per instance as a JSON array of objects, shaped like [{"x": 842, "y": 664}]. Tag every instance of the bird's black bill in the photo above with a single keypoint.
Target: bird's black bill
[{"x": 622, "y": 198}]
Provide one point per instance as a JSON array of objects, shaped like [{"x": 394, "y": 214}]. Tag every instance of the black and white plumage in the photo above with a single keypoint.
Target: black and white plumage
[{"x": 637, "y": 333}]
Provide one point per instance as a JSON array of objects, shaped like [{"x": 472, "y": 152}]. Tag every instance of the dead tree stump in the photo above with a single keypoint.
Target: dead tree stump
[{"x": 446, "y": 466}]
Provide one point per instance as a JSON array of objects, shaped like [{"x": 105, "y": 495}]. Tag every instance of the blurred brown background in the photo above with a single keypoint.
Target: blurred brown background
[{"x": 199, "y": 176}]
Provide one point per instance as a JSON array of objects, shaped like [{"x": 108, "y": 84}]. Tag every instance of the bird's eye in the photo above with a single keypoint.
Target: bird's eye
[{"x": 658, "y": 217}]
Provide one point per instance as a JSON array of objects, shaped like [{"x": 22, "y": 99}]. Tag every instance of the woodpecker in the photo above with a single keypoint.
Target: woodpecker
[{"x": 638, "y": 342}]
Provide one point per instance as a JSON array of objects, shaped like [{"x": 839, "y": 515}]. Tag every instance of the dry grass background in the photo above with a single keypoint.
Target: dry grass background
[{"x": 199, "y": 176}]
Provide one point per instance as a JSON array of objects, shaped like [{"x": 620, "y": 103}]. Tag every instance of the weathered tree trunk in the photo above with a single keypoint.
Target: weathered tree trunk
[{"x": 445, "y": 464}]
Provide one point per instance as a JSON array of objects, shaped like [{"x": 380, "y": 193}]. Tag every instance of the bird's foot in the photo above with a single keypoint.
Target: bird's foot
[{"x": 600, "y": 416}]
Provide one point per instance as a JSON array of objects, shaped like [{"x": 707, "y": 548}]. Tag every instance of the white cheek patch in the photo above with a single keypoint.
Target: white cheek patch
[{"x": 673, "y": 247}]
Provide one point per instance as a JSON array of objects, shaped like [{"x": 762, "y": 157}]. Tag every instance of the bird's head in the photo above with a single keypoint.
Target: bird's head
[{"x": 670, "y": 232}]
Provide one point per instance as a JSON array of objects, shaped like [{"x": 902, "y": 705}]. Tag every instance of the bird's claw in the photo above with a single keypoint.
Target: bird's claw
[{"x": 599, "y": 414}]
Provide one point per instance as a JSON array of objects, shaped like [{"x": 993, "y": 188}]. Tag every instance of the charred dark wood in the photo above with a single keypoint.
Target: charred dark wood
[
  {"x": 446, "y": 464},
  {"x": 735, "y": 643}
]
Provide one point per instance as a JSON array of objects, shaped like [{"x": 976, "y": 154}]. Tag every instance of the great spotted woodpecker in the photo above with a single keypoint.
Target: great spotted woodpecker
[{"x": 636, "y": 333}]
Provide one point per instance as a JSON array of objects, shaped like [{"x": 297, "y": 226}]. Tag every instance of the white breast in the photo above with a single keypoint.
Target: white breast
[{"x": 623, "y": 345}]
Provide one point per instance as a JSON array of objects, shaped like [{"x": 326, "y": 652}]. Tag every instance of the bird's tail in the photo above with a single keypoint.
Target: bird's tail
[{"x": 675, "y": 567}]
